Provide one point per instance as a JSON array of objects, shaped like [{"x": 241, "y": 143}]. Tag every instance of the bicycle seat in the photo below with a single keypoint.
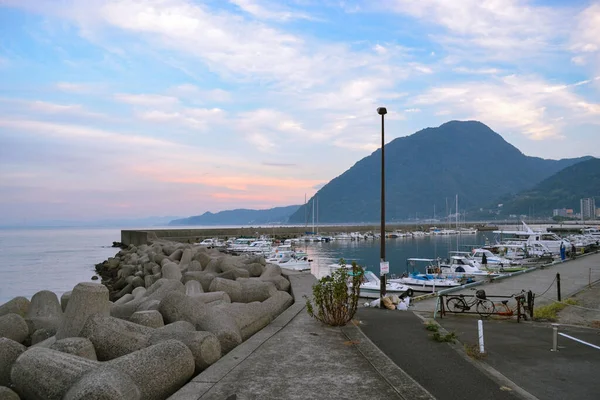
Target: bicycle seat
[{"x": 505, "y": 302}]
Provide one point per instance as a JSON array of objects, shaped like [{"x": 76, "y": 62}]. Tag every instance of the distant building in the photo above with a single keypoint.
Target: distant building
[
  {"x": 560, "y": 212},
  {"x": 588, "y": 208},
  {"x": 597, "y": 213}
]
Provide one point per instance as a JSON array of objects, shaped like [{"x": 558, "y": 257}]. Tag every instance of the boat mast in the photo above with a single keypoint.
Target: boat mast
[{"x": 313, "y": 216}]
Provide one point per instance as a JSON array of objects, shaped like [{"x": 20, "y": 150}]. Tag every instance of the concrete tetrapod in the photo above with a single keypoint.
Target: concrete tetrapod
[
  {"x": 9, "y": 352},
  {"x": 104, "y": 383},
  {"x": 8, "y": 394},
  {"x": 14, "y": 327},
  {"x": 44, "y": 311},
  {"x": 177, "y": 306},
  {"x": 18, "y": 305},
  {"x": 114, "y": 337},
  {"x": 149, "y": 318},
  {"x": 157, "y": 291},
  {"x": 44, "y": 374},
  {"x": 244, "y": 290},
  {"x": 77, "y": 346},
  {"x": 86, "y": 299},
  {"x": 158, "y": 371}
]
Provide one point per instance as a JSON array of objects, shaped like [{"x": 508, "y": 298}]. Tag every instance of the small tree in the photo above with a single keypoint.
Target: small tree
[{"x": 336, "y": 296}]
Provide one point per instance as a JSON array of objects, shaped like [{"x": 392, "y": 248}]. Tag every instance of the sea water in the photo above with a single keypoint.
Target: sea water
[
  {"x": 57, "y": 259},
  {"x": 51, "y": 259}
]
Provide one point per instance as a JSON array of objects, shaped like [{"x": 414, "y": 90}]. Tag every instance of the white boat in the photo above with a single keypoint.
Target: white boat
[
  {"x": 549, "y": 239},
  {"x": 463, "y": 266},
  {"x": 371, "y": 286},
  {"x": 287, "y": 258},
  {"x": 424, "y": 282},
  {"x": 207, "y": 243}
]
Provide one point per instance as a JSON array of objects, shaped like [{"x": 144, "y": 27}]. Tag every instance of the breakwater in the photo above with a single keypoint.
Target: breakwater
[
  {"x": 188, "y": 235},
  {"x": 163, "y": 313}
]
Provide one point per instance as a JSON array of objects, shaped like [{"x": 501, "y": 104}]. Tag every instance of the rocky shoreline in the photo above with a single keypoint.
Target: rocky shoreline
[{"x": 163, "y": 313}]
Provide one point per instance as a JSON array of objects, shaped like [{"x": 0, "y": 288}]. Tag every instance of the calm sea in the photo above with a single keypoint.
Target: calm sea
[{"x": 57, "y": 259}]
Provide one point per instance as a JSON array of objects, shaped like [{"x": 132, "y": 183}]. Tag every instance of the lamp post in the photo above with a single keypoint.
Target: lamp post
[{"x": 382, "y": 111}]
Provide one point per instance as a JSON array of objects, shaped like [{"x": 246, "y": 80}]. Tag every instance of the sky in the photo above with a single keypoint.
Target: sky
[{"x": 130, "y": 108}]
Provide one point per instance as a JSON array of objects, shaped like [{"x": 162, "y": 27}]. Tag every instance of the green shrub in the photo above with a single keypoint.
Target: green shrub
[
  {"x": 550, "y": 312},
  {"x": 336, "y": 296},
  {"x": 432, "y": 326}
]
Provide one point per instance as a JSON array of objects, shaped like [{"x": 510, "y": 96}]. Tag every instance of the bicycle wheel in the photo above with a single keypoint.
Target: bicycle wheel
[
  {"x": 456, "y": 304},
  {"x": 485, "y": 308}
]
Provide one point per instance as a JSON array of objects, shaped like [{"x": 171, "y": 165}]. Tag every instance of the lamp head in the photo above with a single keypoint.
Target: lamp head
[{"x": 381, "y": 111}]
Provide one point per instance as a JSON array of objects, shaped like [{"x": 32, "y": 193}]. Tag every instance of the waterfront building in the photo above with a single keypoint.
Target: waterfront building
[{"x": 588, "y": 208}]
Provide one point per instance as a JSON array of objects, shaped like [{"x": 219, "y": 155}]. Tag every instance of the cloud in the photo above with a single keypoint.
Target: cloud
[
  {"x": 268, "y": 10},
  {"x": 477, "y": 71},
  {"x": 586, "y": 36},
  {"x": 146, "y": 100},
  {"x": 72, "y": 87},
  {"x": 198, "y": 95},
  {"x": 523, "y": 103}
]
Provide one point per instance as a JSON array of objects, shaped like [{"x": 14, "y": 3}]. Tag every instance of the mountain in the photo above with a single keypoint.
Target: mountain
[
  {"x": 426, "y": 170},
  {"x": 240, "y": 217},
  {"x": 561, "y": 190}
]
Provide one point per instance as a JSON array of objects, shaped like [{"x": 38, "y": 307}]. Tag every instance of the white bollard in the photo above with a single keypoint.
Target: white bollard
[
  {"x": 480, "y": 328},
  {"x": 554, "y": 337}
]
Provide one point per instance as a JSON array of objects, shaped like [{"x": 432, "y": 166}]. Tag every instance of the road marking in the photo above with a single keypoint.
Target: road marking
[{"x": 580, "y": 341}]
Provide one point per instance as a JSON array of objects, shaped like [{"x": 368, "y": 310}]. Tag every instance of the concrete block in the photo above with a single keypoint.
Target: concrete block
[
  {"x": 148, "y": 305},
  {"x": 137, "y": 282},
  {"x": 195, "y": 265},
  {"x": 138, "y": 292},
  {"x": 77, "y": 346},
  {"x": 114, "y": 337},
  {"x": 87, "y": 299},
  {"x": 151, "y": 318},
  {"x": 254, "y": 269},
  {"x": 18, "y": 305},
  {"x": 193, "y": 288},
  {"x": 64, "y": 300},
  {"x": 176, "y": 255},
  {"x": 125, "y": 299},
  {"x": 202, "y": 257},
  {"x": 14, "y": 327},
  {"x": 234, "y": 273},
  {"x": 126, "y": 290},
  {"x": 178, "y": 326},
  {"x": 212, "y": 297},
  {"x": 9, "y": 352},
  {"x": 244, "y": 290},
  {"x": 45, "y": 374},
  {"x": 155, "y": 292},
  {"x": 171, "y": 271},
  {"x": 205, "y": 278},
  {"x": 177, "y": 306},
  {"x": 205, "y": 346},
  {"x": 104, "y": 383},
  {"x": 255, "y": 260},
  {"x": 159, "y": 370},
  {"x": 8, "y": 394},
  {"x": 186, "y": 258},
  {"x": 45, "y": 343},
  {"x": 42, "y": 334}
]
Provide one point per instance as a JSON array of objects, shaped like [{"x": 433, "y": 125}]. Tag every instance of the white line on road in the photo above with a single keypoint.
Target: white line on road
[{"x": 580, "y": 341}]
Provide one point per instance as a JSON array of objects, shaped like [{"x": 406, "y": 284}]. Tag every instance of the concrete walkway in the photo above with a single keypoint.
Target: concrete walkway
[
  {"x": 574, "y": 276},
  {"x": 297, "y": 357}
]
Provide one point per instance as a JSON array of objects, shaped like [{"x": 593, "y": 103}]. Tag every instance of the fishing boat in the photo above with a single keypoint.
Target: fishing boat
[
  {"x": 370, "y": 287},
  {"x": 426, "y": 282}
]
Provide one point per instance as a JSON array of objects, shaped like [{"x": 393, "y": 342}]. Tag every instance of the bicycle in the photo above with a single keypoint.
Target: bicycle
[{"x": 459, "y": 304}]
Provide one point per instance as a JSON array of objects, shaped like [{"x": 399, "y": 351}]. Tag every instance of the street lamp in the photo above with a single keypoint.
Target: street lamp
[{"x": 382, "y": 111}]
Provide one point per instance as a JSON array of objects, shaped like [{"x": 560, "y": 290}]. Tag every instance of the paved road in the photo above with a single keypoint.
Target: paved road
[
  {"x": 436, "y": 366},
  {"x": 521, "y": 352}
]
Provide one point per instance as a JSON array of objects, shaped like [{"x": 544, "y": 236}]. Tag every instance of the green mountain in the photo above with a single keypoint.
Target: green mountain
[
  {"x": 562, "y": 190},
  {"x": 239, "y": 217},
  {"x": 426, "y": 170}
]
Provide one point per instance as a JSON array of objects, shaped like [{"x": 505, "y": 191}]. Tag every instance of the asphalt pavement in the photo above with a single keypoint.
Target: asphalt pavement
[{"x": 438, "y": 367}]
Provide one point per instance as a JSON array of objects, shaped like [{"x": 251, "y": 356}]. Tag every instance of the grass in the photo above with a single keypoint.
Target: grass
[
  {"x": 595, "y": 324},
  {"x": 472, "y": 351},
  {"x": 550, "y": 312},
  {"x": 448, "y": 338},
  {"x": 432, "y": 326}
]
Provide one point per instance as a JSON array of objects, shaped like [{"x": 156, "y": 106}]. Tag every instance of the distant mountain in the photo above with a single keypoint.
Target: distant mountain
[
  {"x": 279, "y": 215},
  {"x": 426, "y": 170},
  {"x": 562, "y": 190}
]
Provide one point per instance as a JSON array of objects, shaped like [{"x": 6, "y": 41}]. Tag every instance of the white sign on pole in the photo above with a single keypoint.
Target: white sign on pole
[{"x": 384, "y": 267}]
